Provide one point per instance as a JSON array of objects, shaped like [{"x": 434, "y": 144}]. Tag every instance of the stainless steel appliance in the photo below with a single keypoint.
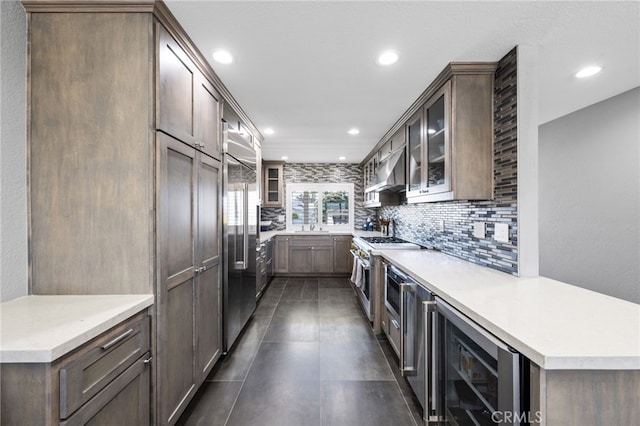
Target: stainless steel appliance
[
  {"x": 241, "y": 230},
  {"x": 477, "y": 378},
  {"x": 404, "y": 300},
  {"x": 362, "y": 283},
  {"x": 371, "y": 288}
]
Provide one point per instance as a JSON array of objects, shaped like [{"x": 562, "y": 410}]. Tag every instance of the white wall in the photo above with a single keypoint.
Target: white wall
[
  {"x": 13, "y": 176},
  {"x": 590, "y": 197}
]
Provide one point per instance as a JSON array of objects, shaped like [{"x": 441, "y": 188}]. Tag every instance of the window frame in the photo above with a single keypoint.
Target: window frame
[{"x": 320, "y": 188}]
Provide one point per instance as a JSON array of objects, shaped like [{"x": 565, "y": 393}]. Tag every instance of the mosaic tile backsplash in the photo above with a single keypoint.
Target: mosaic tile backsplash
[{"x": 420, "y": 223}]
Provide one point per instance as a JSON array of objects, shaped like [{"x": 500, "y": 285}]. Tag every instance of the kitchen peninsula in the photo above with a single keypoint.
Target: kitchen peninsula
[{"x": 584, "y": 346}]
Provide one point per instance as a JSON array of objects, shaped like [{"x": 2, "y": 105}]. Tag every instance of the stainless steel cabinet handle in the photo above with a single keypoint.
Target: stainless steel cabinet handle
[
  {"x": 404, "y": 369},
  {"x": 117, "y": 340},
  {"x": 395, "y": 324},
  {"x": 148, "y": 360}
]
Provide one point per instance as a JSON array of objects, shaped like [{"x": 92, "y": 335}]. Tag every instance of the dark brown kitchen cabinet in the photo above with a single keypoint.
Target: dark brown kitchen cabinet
[
  {"x": 309, "y": 254},
  {"x": 139, "y": 109},
  {"x": 273, "y": 184},
  {"x": 189, "y": 292},
  {"x": 281, "y": 254},
  {"x": 450, "y": 137},
  {"x": 342, "y": 258},
  {"x": 103, "y": 382},
  {"x": 188, "y": 105},
  {"x": 303, "y": 255}
]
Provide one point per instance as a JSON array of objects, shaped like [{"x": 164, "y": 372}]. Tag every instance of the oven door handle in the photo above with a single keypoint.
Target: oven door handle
[
  {"x": 405, "y": 369},
  {"x": 365, "y": 262}
]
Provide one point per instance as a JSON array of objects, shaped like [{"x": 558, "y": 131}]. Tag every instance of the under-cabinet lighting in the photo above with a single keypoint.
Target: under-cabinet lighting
[
  {"x": 342, "y": 158},
  {"x": 284, "y": 157},
  {"x": 222, "y": 57},
  {"x": 588, "y": 71},
  {"x": 431, "y": 131}
]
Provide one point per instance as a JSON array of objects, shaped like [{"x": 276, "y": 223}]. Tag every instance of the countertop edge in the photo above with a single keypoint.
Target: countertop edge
[{"x": 31, "y": 356}]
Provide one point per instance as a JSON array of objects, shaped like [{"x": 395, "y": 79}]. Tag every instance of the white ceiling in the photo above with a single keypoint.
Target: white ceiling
[{"x": 307, "y": 68}]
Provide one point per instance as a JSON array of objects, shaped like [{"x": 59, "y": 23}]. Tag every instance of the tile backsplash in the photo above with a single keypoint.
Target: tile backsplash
[{"x": 421, "y": 223}]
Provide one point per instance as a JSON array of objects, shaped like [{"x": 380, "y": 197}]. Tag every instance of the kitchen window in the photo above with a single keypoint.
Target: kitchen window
[{"x": 320, "y": 206}]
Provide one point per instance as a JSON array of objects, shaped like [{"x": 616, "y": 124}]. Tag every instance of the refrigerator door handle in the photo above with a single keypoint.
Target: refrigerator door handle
[{"x": 245, "y": 236}]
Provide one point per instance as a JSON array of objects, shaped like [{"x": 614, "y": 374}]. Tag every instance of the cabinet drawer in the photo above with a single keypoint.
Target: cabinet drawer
[
  {"x": 394, "y": 333},
  {"x": 310, "y": 241},
  {"x": 124, "y": 401},
  {"x": 98, "y": 363}
]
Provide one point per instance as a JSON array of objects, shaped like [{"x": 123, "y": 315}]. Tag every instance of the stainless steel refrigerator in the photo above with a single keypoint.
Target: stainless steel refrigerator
[{"x": 241, "y": 220}]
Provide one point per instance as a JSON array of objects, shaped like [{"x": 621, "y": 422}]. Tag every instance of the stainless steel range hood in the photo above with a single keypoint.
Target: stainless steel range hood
[{"x": 391, "y": 173}]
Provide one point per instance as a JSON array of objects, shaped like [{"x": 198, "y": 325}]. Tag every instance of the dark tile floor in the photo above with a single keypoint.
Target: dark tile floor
[{"x": 308, "y": 357}]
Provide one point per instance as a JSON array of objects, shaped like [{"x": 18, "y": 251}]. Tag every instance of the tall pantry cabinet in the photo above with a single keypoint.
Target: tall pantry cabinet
[{"x": 124, "y": 175}]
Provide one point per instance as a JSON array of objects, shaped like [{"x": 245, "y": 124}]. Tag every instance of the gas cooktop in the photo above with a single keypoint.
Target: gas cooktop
[{"x": 388, "y": 243}]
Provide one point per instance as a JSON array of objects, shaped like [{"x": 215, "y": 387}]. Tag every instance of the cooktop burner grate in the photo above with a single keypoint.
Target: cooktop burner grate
[{"x": 384, "y": 240}]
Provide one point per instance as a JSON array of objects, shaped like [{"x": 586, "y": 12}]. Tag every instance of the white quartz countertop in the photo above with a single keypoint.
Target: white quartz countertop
[
  {"x": 43, "y": 328},
  {"x": 554, "y": 324}
]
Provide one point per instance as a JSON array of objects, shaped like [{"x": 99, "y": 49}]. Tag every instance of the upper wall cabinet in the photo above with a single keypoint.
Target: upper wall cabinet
[
  {"x": 450, "y": 137},
  {"x": 273, "y": 184},
  {"x": 188, "y": 105}
]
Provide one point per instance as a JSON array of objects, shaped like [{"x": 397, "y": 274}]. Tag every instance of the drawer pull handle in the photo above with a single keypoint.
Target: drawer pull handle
[
  {"x": 395, "y": 324},
  {"x": 117, "y": 340},
  {"x": 148, "y": 360}
]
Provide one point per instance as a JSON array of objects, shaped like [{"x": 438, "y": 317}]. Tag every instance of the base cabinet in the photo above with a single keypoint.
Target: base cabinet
[
  {"x": 103, "y": 382},
  {"x": 302, "y": 255}
]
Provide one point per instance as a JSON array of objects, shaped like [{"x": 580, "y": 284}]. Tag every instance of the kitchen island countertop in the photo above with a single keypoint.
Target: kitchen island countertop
[
  {"x": 41, "y": 329},
  {"x": 556, "y": 325}
]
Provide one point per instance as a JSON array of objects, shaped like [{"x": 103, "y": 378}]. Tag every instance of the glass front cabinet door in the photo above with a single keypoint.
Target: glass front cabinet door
[
  {"x": 428, "y": 146},
  {"x": 273, "y": 186}
]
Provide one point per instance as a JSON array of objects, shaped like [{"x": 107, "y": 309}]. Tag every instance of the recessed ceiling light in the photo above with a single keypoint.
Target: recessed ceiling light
[
  {"x": 268, "y": 131},
  {"x": 353, "y": 131},
  {"x": 588, "y": 71},
  {"x": 342, "y": 158},
  {"x": 284, "y": 157},
  {"x": 222, "y": 57},
  {"x": 388, "y": 57}
]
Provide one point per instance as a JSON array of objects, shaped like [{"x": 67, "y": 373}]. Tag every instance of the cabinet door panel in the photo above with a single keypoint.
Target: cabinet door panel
[
  {"x": 209, "y": 237},
  {"x": 342, "y": 258},
  {"x": 176, "y": 82},
  {"x": 208, "y": 320},
  {"x": 414, "y": 154},
  {"x": 282, "y": 254},
  {"x": 322, "y": 259},
  {"x": 125, "y": 401},
  {"x": 177, "y": 361},
  {"x": 209, "y": 116},
  {"x": 299, "y": 259},
  {"x": 180, "y": 184}
]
